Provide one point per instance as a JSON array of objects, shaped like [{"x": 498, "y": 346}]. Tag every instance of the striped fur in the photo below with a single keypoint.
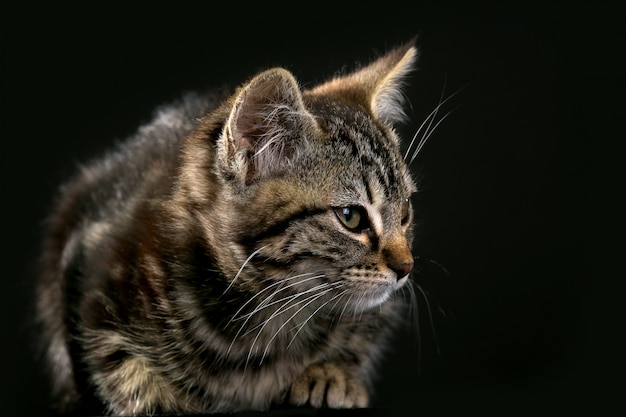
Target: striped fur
[{"x": 202, "y": 266}]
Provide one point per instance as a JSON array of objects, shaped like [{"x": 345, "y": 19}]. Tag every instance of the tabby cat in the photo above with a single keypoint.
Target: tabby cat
[{"x": 235, "y": 254}]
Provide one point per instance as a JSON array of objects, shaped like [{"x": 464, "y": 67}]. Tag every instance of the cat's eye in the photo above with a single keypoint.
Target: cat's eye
[
  {"x": 406, "y": 211},
  {"x": 353, "y": 218}
]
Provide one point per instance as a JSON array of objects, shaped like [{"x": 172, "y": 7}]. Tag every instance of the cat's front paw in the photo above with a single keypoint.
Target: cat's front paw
[{"x": 328, "y": 385}]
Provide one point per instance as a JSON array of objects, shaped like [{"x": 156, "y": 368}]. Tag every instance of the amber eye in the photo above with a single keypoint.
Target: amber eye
[
  {"x": 353, "y": 218},
  {"x": 406, "y": 211}
]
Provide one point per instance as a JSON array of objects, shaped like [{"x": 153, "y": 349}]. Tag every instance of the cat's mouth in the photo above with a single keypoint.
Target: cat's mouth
[{"x": 366, "y": 295}]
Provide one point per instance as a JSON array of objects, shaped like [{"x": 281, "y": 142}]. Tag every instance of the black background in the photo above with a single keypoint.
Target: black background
[{"x": 522, "y": 185}]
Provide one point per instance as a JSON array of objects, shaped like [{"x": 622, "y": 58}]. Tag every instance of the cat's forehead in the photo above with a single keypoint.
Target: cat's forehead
[{"x": 366, "y": 155}]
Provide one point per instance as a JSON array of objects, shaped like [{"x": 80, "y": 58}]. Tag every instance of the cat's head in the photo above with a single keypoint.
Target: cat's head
[{"x": 314, "y": 189}]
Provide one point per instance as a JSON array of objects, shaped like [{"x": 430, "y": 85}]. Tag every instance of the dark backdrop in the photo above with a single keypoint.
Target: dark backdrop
[{"x": 519, "y": 212}]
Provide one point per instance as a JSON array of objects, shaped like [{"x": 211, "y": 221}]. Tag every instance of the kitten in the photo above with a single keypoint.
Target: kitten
[{"x": 235, "y": 255}]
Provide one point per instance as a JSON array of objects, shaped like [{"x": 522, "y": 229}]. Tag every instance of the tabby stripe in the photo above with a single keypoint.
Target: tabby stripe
[
  {"x": 250, "y": 240},
  {"x": 375, "y": 168},
  {"x": 368, "y": 188},
  {"x": 374, "y": 239},
  {"x": 391, "y": 177}
]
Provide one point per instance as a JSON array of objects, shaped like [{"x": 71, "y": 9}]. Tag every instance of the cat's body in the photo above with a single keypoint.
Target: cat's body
[{"x": 235, "y": 254}]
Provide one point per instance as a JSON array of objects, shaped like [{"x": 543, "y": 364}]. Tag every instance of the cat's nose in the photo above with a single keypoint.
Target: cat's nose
[
  {"x": 401, "y": 269},
  {"x": 398, "y": 257}
]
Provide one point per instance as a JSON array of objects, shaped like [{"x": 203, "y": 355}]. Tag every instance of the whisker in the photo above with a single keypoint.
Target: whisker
[
  {"x": 249, "y": 315},
  {"x": 284, "y": 307},
  {"x": 343, "y": 310},
  {"x": 415, "y": 317},
  {"x": 360, "y": 309},
  {"x": 294, "y": 315},
  {"x": 430, "y": 317},
  {"x": 242, "y": 267},
  {"x": 263, "y": 304},
  {"x": 301, "y": 326},
  {"x": 282, "y": 281},
  {"x": 444, "y": 313},
  {"x": 419, "y": 129},
  {"x": 427, "y": 135},
  {"x": 431, "y": 115},
  {"x": 437, "y": 264},
  {"x": 434, "y": 115},
  {"x": 337, "y": 302},
  {"x": 429, "y": 119},
  {"x": 311, "y": 298},
  {"x": 413, "y": 305},
  {"x": 280, "y": 310}
]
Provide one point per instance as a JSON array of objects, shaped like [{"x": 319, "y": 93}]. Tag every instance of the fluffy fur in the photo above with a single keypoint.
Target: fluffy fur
[{"x": 235, "y": 254}]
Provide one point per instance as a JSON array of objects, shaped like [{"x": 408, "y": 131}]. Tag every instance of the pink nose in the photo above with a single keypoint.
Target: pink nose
[{"x": 401, "y": 269}]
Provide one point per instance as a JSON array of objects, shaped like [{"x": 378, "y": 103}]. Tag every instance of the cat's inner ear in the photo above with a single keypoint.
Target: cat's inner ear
[
  {"x": 377, "y": 86},
  {"x": 387, "y": 98},
  {"x": 266, "y": 120}
]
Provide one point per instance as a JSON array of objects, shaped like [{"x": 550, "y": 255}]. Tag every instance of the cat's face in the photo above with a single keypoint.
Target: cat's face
[
  {"x": 365, "y": 235},
  {"x": 317, "y": 191},
  {"x": 341, "y": 212}
]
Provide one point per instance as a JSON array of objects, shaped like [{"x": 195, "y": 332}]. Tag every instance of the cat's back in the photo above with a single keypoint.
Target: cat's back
[
  {"x": 101, "y": 200},
  {"x": 105, "y": 192},
  {"x": 107, "y": 186}
]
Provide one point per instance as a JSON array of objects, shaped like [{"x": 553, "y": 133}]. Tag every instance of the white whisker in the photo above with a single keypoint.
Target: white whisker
[
  {"x": 242, "y": 267},
  {"x": 430, "y": 317},
  {"x": 360, "y": 307},
  {"x": 311, "y": 316},
  {"x": 278, "y": 311},
  {"x": 433, "y": 114},
  {"x": 337, "y": 302},
  {"x": 284, "y": 307},
  {"x": 343, "y": 310},
  {"x": 282, "y": 281},
  {"x": 437, "y": 264},
  {"x": 427, "y": 136},
  {"x": 311, "y": 298},
  {"x": 249, "y": 316},
  {"x": 317, "y": 297},
  {"x": 415, "y": 318},
  {"x": 264, "y": 304},
  {"x": 429, "y": 120}
]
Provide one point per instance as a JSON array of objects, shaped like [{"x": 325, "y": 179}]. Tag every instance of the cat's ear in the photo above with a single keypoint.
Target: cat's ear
[
  {"x": 266, "y": 119},
  {"x": 377, "y": 86}
]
